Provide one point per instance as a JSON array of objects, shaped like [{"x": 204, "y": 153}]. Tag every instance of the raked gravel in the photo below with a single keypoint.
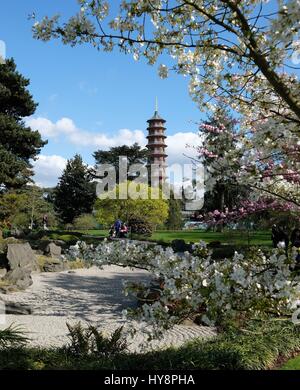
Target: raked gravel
[{"x": 90, "y": 295}]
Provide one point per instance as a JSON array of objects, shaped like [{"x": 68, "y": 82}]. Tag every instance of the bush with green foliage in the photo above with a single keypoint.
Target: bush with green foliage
[
  {"x": 12, "y": 337},
  {"x": 140, "y": 227},
  {"x": 258, "y": 346},
  {"x": 110, "y": 208},
  {"x": 89, "y": 340},
  {"x": 19, "y": 208},
  {"x": 85, "y": 222}
]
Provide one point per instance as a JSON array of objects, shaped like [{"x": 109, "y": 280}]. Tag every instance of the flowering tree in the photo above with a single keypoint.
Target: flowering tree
[
  {"x": 235, "y": 51},
  {"x": 214, "y": 36},
  {"x": 219, "y": 135},
  {"x": 232, "y": 290}
]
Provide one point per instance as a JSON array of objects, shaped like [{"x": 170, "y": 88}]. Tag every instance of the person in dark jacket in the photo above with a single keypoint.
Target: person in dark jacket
[{"x": 118, "y": 225}]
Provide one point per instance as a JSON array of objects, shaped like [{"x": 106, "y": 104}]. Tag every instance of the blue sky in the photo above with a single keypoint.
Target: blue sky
[{"x": 87, "y": 98}]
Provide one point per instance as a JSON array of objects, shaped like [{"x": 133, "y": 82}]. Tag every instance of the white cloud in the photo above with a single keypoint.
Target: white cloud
[
  {"x": 181, "y": 144},
  {"x": 102, "y": 140},
  {"x": 50, "y": 129},
  {"x": 66, "y": 127},
  {"x": 48, "y": 169},
  {"x": 76, "y": 136}
]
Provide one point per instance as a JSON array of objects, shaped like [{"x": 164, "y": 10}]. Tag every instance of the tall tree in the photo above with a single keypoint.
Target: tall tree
[
  {"x": 175, "y": 220},
  {"x": 135, "y": 155},
  {"x": 75, "y": 193},
  {"x": 18, "y": 143},
  {"x": 218, "y": 134}
]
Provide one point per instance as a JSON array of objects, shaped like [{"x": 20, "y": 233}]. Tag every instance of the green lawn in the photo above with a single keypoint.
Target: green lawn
[
  {"x": 230, "y": 237},
  {"x": 292, "y": 364},
  {"x": 240, "y": 238}
]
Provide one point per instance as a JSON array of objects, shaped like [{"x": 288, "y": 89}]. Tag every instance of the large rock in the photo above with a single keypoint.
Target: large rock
[
  {"x": 3, "y": 272},
  {"x": 19, "y": 277},
  {"x": 54, "y": 250},
  {"x": 54, "y": 265},
  {"x": 21, "y": 256}
]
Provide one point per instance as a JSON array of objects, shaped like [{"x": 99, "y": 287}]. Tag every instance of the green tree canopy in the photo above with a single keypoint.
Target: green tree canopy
[
  {"x": 18, "y": 208},
  {"x": 18, "y": 143},
  {"x": 219, "y": 137},
  {"x": 154, "y": 211},
  {"x": 75, "y": 193},
  {"x": 175, "y": 220},
  {"x": 135, "y": 155}
]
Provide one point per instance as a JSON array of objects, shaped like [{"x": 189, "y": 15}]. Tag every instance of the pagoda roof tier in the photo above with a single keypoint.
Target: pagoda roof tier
[
  {"x": 159, "y": 155},
  {"x": 155, "y": 126},
  {"x": 156, "y": 144},
  {"x": 156, "y": 135},
  {"x": 156, "y": 117}
]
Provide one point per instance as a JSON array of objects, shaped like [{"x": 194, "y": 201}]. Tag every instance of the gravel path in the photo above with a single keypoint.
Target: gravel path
[{"x": 88, "y": 295}]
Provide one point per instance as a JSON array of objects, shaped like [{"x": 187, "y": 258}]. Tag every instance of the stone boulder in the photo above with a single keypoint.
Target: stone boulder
[
  {"x": 19, "y": 277},
  {"x": 53, "y": 250},
  {"x": 21, "y": 256},
  {"x": 54, "y": 265},
  {"x": 3, "y": 272}
]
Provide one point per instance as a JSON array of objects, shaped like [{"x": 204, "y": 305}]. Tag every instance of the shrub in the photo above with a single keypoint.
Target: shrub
[
  {"x": 77, "y": 264},
  {"x": 6, "y": 233},
  {"x": 85, "y": 222},
  {"x": 68, "y": 238},
  {"x": 140, "y": 227},
  {"x": 21, "y": 220},
  {"x": 256, "y": 347},
  {"x": 12, "y": 337},
  {"x": 90, "y": 340}
]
